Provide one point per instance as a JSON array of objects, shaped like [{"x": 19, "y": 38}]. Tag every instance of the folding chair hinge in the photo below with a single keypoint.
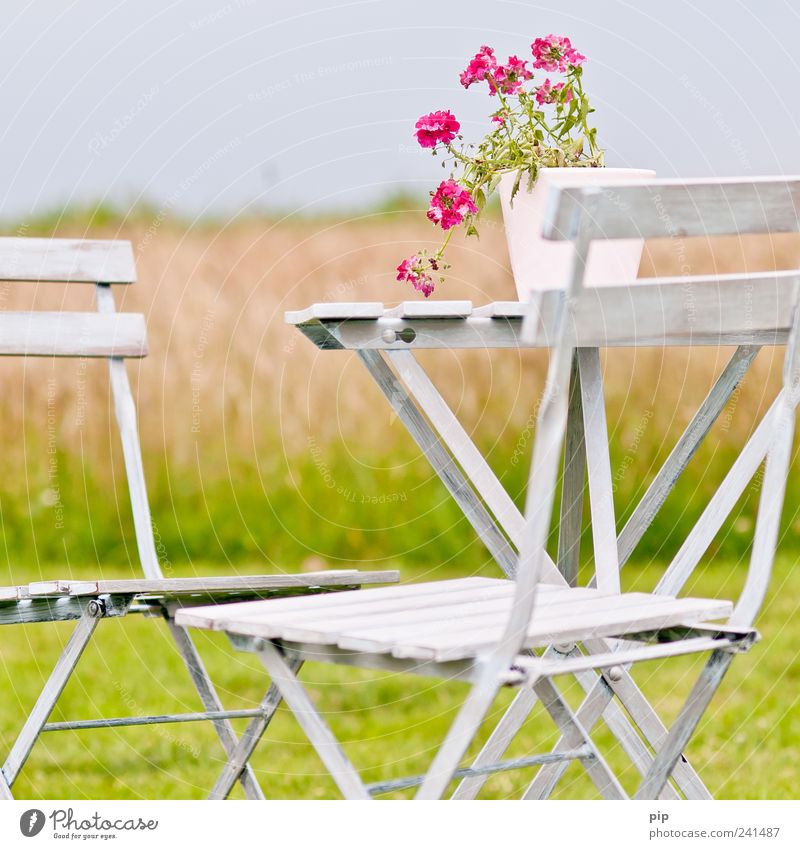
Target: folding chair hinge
[
  {"x": 96, "y": 608},
  {"x": 514, "y": 676}
]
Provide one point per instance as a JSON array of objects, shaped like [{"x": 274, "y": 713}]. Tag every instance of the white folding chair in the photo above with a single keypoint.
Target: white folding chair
[
  {"x": 522, "y": 634},
  {"x": 118, "y": 336}
]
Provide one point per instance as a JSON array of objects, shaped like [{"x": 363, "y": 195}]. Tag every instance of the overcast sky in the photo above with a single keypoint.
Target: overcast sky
[{"x": 227, "y": 105}]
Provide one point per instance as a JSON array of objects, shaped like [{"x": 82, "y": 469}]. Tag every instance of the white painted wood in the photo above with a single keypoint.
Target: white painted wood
[
  {"x": 47, "y": 588},
  {"x": 671, "y": 752},
  {"x": 720, "y": 505},
  {"x": 125, "y": 412},
  {"x": 237, "y": 584},
  {"x": 216, "y": 617},
  {"x": 590, "y": 711},
  {"x": 729, "y": 309},
  {"x": 318, "y": 733},
  {"x": 451, "y": 476},
  {"x": 430, "y": 309},
  {"x": 240, "y": 757},
  {"x": 569, "y": 666},
  {"x": 438, "y": 601},
  {"x": 429, "y": 612},
  {"x": 72, "y": 334},
  {"x": 442, "y": 628},
  {"x": 447, "y": 647},
  {"x": 9, "y": 593},
  {"x": 685, "y": 448},
  {"x": 67, "y": 260},
  {"x": 677, "y": 208},
  {"x": 597, "y": 703},
  {"x": 570, "y": 522},
  {"x": 574, "y": 733},
  {"x": 460, "y": 735},
  {"x": 646, "y": 719},
  {"x": 463, "y": 449},
  {"x": 212, "y": 703},
  {"x": 336, "y": 312},
  {"x": 47, "y": 699},
  {"x": 770, "y": 506},
  {"x": 422, "y": 389},
  {"x": 580, "y": 626},
  {"x": 551, "y": 425},
  {"x": 501, "y": 309},
  {"x": 598, "y": 463}
]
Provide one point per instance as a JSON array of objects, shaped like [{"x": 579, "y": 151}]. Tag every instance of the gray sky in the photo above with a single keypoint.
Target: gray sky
[{"x": 222, "y": 105}]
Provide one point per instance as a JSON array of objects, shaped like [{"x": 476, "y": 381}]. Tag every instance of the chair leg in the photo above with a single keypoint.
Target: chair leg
[
  {"x": 211, "y": 702},
  {"x": 461, "y": 734},
  {"x": 250, "y": 739},
  {"x": 319, "y": 735},
  {"x": 685, "y": 725},
  {"x": 519, "y": 711},
  {"x": 572, "y": 731},
  {"x": 648, "y": 722},
  {"x": 598, "y": 702},
  {"x": 61, "y": 673},
  {"x": 499, "y": 741}
]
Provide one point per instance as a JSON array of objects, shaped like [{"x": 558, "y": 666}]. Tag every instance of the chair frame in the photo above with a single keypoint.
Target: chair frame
[
  {"x": 117, "y": 336},
  {"x": 569, "y": 325},
  {"x": 760, "y": 309}
]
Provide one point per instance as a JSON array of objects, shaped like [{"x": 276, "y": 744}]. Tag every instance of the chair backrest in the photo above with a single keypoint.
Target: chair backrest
[
  {"x": 105, "y": 333},
  {"x": 664, "y": 209}
]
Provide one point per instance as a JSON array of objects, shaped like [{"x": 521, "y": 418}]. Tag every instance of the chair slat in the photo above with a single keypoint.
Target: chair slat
[
  {"x": 228, "y": 583},
  {"x": 674, "y": 208},
  {"x": 569, "y": 607},
  {"x": 217, "y": 618},
  {"x": 72, "y": 334},
  {"x": 67, "y": 260},
  {"x": 643, "y": 617}
]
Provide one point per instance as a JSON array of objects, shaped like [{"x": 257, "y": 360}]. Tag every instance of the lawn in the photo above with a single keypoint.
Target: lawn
[{"x": 390, "y": 724}]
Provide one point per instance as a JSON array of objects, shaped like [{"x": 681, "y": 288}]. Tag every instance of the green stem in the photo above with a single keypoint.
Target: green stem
[{"x": 444, "y": 244}]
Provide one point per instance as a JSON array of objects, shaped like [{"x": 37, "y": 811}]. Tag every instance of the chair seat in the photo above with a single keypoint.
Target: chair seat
[{"x": 450, "y": 620}]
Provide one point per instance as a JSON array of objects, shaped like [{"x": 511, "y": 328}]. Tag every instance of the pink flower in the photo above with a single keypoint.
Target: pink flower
[
  {"x": 508, "y": 78},
  {"x": 479, "y": 65},
  {"x": 410, "y": 270},
  {"x": 450, "y": 203},
  {"x": 437, "y": 127},
  {"x": 555, "y": 53},
  {"x": 549, "y": 93}
]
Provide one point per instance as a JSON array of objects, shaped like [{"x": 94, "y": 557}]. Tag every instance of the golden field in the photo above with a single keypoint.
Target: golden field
[{"x": 224, "y": 366}]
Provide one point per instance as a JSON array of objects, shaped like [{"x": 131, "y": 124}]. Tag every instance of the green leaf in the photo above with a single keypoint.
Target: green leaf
[{"x": 515, "y": 187}]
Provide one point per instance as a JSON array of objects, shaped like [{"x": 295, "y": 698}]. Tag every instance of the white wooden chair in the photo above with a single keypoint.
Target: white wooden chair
[
  {"x": 525, "y": 632},
  {"x": 117, "y": 336}
]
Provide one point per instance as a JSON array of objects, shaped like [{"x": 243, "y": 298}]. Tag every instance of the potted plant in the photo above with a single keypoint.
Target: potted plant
[{"x": 541, "y": 136}]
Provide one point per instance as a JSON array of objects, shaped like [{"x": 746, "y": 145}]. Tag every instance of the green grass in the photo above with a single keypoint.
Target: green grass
[
  {"x": 282, "y": 510},
  {"x": 390, "y": 724}
]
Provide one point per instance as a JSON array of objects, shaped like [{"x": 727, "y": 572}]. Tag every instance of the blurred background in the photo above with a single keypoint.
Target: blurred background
[{"x": 260, "y": 157}]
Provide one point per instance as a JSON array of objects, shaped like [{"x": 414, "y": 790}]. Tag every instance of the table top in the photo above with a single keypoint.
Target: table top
[{"x": 732, "y": 309}]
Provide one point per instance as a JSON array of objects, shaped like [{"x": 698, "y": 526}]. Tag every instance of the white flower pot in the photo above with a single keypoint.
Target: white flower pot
[{"x": 541, "y": 264}]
